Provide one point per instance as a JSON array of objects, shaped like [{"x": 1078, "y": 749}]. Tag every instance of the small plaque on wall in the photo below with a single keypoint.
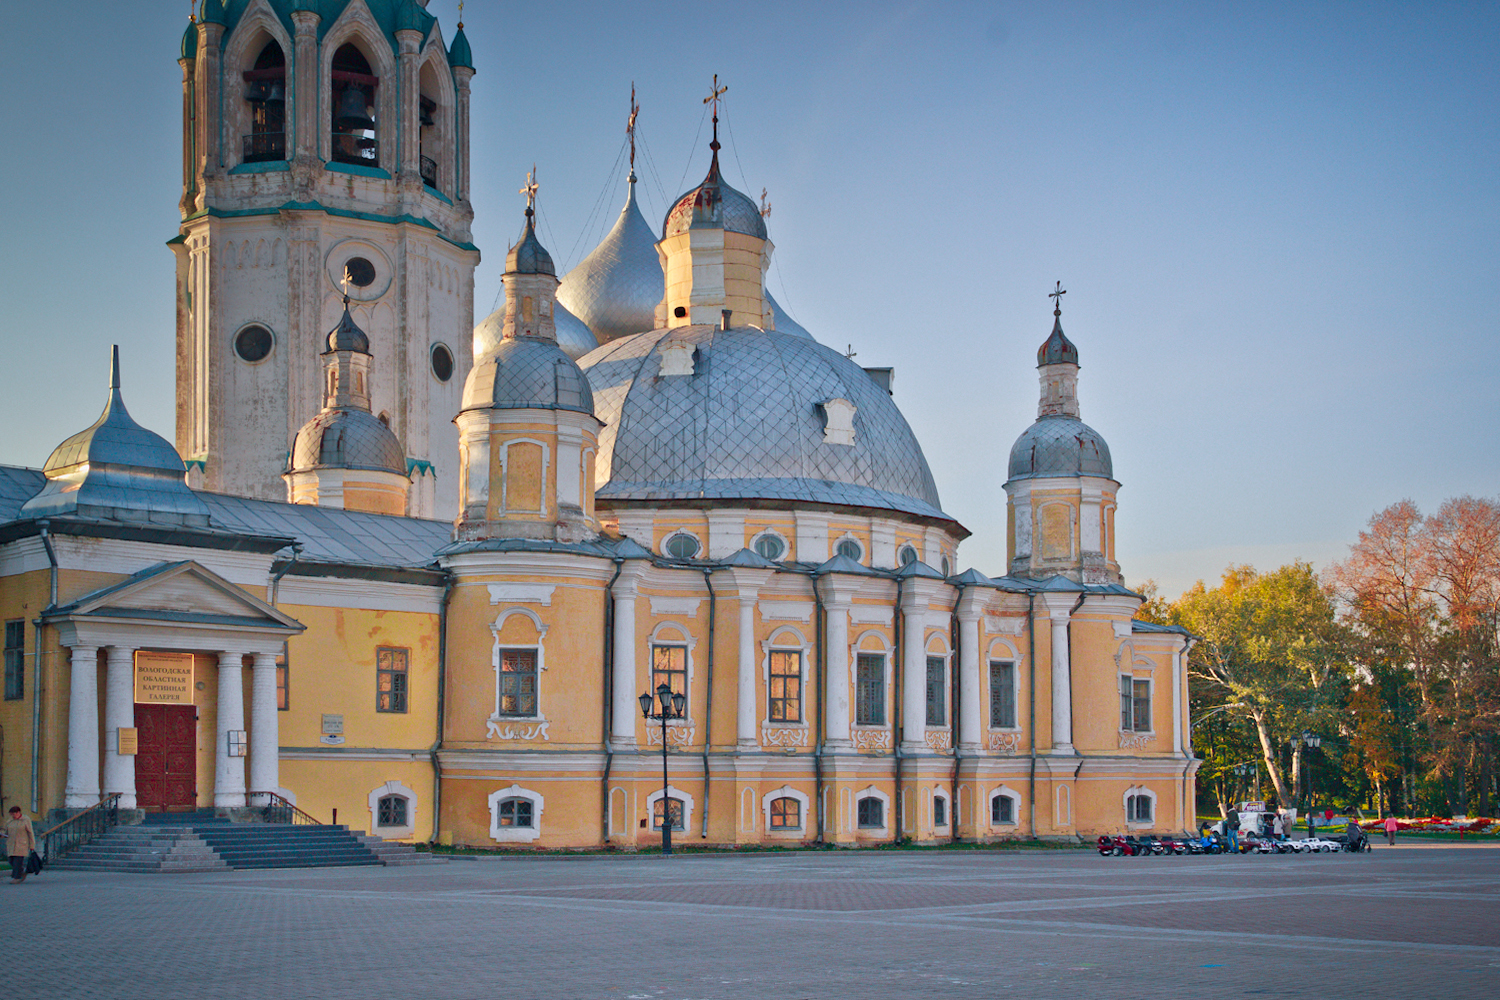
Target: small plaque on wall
[
  {"x": 333, "y": 730},
  {"x": 127, "y": 741}
]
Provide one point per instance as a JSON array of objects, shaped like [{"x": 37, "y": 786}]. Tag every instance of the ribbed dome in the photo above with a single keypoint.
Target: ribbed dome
[
  {"x": 1057, "y": 349},
  {"x": 714, "y": 204},
  {"x": 527, "y": 373},
  {"x": 528, "y": 256},
  {"x": 1061, "y": 447},
  {"x": 748, "y": 424},
  {"x": 346, "y": 439},
  {"x": 347, "y": 336},
  {"x": 573, "y": 336},
  {"x": 617, "y": 287}
]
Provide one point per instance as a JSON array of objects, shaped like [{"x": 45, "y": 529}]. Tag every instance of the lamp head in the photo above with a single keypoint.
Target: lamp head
[
  {"x": 664, "y": 695},
  {"x": 645, "y": 701},
  {"x": 679, "y": 702}
]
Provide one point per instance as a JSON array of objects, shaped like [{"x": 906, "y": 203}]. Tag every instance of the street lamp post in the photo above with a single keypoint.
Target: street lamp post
[
  {"x": 672, "y": 707},
  {"x": 1311, "y": 741}
]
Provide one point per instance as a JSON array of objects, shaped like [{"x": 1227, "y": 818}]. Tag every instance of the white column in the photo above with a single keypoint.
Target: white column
[
  {"x": 745, "y": 728},
  {"x": 1178, "y": 656},
  {"x": 970, "y": 683},
  {"x": 229, "y": 772},
  {"x": 837, "y": 683},
  {"x": 83, "y": 729},
  {"x": 265, "y": 728},
  {"x": 913, "y": 678},
  {"x": 623, "y": 697},
  {"x": 1062, "y": 687},
  {"x": 119, "y": 713}
]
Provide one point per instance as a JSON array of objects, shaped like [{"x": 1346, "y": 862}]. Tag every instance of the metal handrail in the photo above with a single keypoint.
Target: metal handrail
[
  {"x": 281, "y": 810},
  {"x": 75, "y": 831},
  {"x": 352, "y": 147},
  {"x": 429, "y": 171}
]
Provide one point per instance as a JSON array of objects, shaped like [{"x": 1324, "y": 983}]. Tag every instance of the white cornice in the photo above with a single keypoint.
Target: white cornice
[{"x": 370, "y": 595}]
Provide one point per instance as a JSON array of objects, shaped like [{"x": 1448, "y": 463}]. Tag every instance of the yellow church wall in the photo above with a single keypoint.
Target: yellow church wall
[
  {"x": 329, "y": 787},
  {"x": 22, "y": 597},
  {"x": 374, "y": 498}
]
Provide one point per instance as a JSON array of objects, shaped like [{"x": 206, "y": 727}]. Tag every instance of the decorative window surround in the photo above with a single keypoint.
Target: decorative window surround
[
  {"x": 1136, "y": 792},
  {"x": 515, "y": 834},
  {"x": 676, "y": 606},
  {"x": 786, "y": 611},
  {"x": 885, "y": 812},
  {"x": 776, "y": 732},
  {"x": 996, "y": 625},
  {"x": 393, "y": 832},
  {"x": 511, "y": 727},
  {"x": 521, "y": 593},
  {"x": 677, "y": 358},
  {"x": 784, "y": 792},
  {"x": 673, "y": 792},
  {"x": 838, "y": 421},
  {"x": 1000, "y": 792}
]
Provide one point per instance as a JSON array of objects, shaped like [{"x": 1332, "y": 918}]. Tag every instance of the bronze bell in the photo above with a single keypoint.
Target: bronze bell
[
  {"x": 354, "y": 113},
  {"x": 256, "y": 90},
  {"x": 276, "y": 94}
]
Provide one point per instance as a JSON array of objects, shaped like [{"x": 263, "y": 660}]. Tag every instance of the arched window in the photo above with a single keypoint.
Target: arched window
[
  {"x": 391, "y": 811},
  {"x": 429, "y": 126},
  {"x": 907, "y": 555},
  {"x": 514, "y": 812},
  {"x": 354, "y": 138},
  {"x": 265, "y": 92},
  {"x": 770, "y": 545},
  {"x": 786, "y": 814},
  {"x": 1002, "y": 810},
  {"x": 939, "y": 810},
  {"x": 676, "y": 811},
  {"x": 850, "y": 548},
  {"x": 871, "y": 814}
]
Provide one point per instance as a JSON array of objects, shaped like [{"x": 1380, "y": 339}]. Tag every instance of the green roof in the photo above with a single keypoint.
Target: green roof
[
  {"x": 189, "y": 49},
  {"x": 458, "y": 52},
  {"x": 391, "y": 15}
]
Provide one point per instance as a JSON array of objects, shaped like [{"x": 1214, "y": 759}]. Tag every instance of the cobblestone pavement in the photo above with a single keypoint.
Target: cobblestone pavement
[{"x": 1409, "y": 921}]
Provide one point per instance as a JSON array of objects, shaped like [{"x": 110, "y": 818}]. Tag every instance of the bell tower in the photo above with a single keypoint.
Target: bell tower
[{"x": 322, "y": 138}]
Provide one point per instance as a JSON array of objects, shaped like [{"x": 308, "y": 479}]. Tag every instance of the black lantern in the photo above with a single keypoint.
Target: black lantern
[{"x": 673, "y": 705}]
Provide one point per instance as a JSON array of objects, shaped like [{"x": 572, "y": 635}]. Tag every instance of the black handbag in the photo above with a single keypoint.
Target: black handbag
[{"x": 33, "y": 863}]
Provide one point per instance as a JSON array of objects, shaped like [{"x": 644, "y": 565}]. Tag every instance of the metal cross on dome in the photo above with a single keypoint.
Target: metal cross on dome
[
  {"x": 1056, "y": 297},
  {"x": 635, "y": 109},
  {"x": 530, "y": 189},
  {"x": 714, "y": 96}
]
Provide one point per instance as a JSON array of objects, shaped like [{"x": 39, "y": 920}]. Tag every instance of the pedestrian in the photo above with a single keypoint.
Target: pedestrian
[
  {"x": 20, "y": 841},
  {"x": 1232, "y": 830},
  {"x": 1390, "y": 829}
]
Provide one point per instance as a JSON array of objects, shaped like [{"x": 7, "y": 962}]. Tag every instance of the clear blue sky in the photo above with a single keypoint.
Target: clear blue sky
[{"x": 1277, "y": 224}]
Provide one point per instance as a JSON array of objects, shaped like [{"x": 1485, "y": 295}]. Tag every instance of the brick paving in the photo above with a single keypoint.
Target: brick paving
[{"x": 1404, "y": 922}]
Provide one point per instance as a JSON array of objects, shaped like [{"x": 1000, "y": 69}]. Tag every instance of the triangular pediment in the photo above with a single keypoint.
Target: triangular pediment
[{"x": 183, "y": 590}]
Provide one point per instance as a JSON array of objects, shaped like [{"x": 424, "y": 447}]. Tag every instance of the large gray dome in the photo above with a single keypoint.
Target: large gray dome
[
  {"x": 714, "y": 204},
  {"x": 346, "y": 439},
  {"x": 748, "y": 424},
  {"x": 527, "y": 373},
  {"x": 617, "y": 287},
  {"x": 1060, "y": 447}
]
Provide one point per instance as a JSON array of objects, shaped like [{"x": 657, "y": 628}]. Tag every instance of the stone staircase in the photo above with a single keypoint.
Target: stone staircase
[{"x": 197, "y": 842}]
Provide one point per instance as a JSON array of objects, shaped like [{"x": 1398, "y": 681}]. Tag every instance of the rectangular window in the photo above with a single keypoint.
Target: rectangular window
[
  {"x": 785, "y": 702},
  {"x": 1138, "y": 809},
  {"x": 1002, "y": 694},
  {"x": 676, "y": 806},
  {"x": 518, "y": 682},
  {"x": 391, "y": 811},
  {"x": 869, "y": 690},
  {"x": 786, "y": 814},
  {"x": 1135, "y": 704},
  {"x": 15, "y": 659},
  {"x": 390, "y": 679},
  {"x": 937, "y": 695},
  {"x": 669, "y": 666},
  {"x": 871, "y": 813},
  {"x": 283, "y": 682},
  {"x": 1002, "y": 809},
  {"x": 939, "y": 811},
  {"x": 515, "y": 812}
]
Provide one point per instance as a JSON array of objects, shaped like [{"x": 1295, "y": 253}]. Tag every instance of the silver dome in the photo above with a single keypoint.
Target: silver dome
[
  {"x": 528, "y": 256},
  {"x": 575, "y": 338},
  {"x": 785, "y": 323},
  {"x": 346, "y": 439},
  {"x": 1062, "y": 447},
  {"x": 527, "y": 373},
  {"x": 747, "y": 425},
  {"x": 714, "y": 204},
  {"x": 617, "y": 287}
]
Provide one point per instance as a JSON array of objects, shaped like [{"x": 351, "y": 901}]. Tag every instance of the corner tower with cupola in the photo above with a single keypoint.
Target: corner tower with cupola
[{"x": 321, "y": 138}]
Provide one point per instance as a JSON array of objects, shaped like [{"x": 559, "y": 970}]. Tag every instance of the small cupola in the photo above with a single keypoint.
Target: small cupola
[
  {"x": 530, "y": 279},
  {"x": 1057, "y": 360}
]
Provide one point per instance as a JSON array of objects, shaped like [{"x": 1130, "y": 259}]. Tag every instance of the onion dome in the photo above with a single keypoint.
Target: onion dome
[
  {"x": 617, "y": 287},
  {"x": 119, "y": 470},
  {"x": 213, "y": 12},
  {"x": 573, "y": 336},
  {"x": 411, "y": 17},
  {"x": 1058, "y": 349},
  {"x": 459, "y": 53},
  {"x": 785, "y": 323},
  {"x": 751, "y": 415},
  {"x": 346, "y": 439},
  {"x": 189, "y": 50},
  {"x": 715, "y": 205},
  {"x": 528, "y": 256},
  {"x": 347, "y": 336},
  {"x": 1060, "y": 447},
  {"x": 527, "y": 373}
]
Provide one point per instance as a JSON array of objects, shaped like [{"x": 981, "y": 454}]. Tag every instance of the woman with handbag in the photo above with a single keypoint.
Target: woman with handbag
[{"x": 20, "y": 841}]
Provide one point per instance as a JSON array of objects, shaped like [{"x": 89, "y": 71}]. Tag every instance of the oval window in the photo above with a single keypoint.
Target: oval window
[
  {"x": 682, "y": 546},
  {"x": 908, "y": 555},
  {"x": 442, "y": 363},
  {"x": 361, "y": 272},
  {"x": 947, "y": 570},
  {"x": 770, "y": 547},
  {"x": 253, "y": 343},
  {"x": 850, "y": 548}
]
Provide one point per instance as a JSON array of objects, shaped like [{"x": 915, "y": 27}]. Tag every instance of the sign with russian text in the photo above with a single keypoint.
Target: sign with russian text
[{"x": 163, "y": 678}]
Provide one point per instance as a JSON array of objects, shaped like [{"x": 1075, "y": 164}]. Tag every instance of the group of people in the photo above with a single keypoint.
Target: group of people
[{"x": 1352, "y": 831}]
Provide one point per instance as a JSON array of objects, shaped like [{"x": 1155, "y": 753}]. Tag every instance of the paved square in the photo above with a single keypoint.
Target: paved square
[{"x": 1413, "y": 921}]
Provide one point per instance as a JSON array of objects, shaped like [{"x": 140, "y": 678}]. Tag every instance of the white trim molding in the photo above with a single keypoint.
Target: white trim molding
[
  {"x": 1003, "y": 791},
  {"x": 1132, "y": 792},
  {"x": 515, "y": 834},
  {"x": 871, "y": 792},
  {"x": 393, "y": 832},
  {"x": 785, "y": 792},
  {"x": 673, "y": 792}
]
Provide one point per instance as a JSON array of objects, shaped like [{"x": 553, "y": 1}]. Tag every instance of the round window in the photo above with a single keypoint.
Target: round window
[
  {"x": 682, "y": 546},
  {"x": 253, "y": 343},
  {"x": 908, "y": 555},
  {"x": 850, "y": 548},
  {"x": 442, "y": 363},
  {"x": 770, "y": 547},
  {"x": 361, "y": 272}
]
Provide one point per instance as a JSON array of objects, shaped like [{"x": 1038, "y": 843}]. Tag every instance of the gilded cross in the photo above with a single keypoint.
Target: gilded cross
[
  {"x": 530, "y": 189},
  {"x": 765, "y": 206},
  {"x": 460, "y": 15},
  {"x": 345, "y": 283},
  {"x": 635, "y": 109},
  {"x": 1056, "y": 297},
  {"x": 718, "y": 92}
]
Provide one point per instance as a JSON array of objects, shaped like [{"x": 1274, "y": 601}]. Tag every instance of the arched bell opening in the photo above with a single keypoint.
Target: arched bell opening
[
  {"x": 354, "y": 131},
  {"x": 265, "y": 99},
  {"x": 432, "y": 127}
]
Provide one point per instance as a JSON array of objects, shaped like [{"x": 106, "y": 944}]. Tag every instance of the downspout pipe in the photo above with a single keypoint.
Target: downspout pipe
[
  {"x": 442, "y": 697},
  {"x": 956, "y": 638},
  {"x": 36, "y": 680},
  {"x": 820, "y": 625},
  {"x": 283, "y": 571},
  {"x": 708, "y": 725},
  {"x": 1031, "y": 697},
  {"x": 897, "y": 718},
  {"x": 1071, "y": 612},
  {"x": 609, "y": 688}
]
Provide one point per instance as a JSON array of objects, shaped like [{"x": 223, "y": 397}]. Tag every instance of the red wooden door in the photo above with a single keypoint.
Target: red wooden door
[{"x": 166, "y": 760}]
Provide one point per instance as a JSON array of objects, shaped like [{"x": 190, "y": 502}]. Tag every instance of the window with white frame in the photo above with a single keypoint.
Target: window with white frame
[
  {"x": 786, "y": 813},
  {"x": 669, "y": 667},
  {"x": 518, "y": 687},
  {"x": 1135, "y": 704},
  {"x": 784, "y": 699},
  {"x": 393, "y": 810},
  {"x": 515, "y": 814},
  {"x": 1002, "y": 694},
  {"x": 1140, "y": 807},
  {"x": 682, "y": 546},
  {"x": 937, "y": 691},
  {"x": 677, "y": 812},
  {"x": 869, "y": 689},
  {"x": 939, "y": 810},
  {"x": 770, "y": 545},
  {"x": 906, "y": 555},
  {"x": 1002, "y": 809},
  {"x": 850, "y": 548},
  {"x": 870, "y": 813}
]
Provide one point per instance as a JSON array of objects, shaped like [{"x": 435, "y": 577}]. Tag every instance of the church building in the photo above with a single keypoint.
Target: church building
[{"x": 438, "y": 579}]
